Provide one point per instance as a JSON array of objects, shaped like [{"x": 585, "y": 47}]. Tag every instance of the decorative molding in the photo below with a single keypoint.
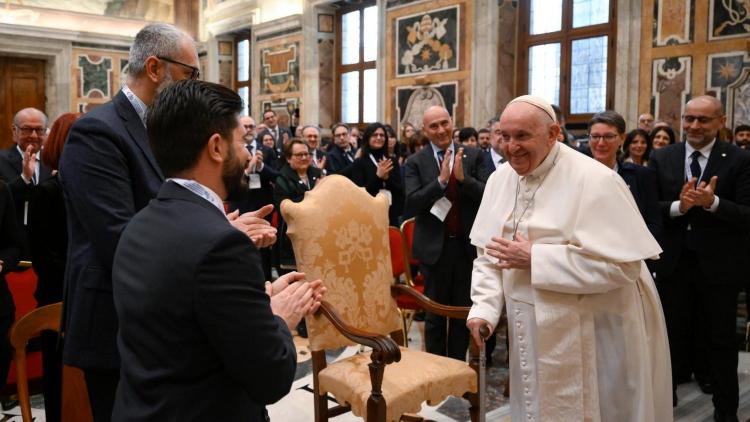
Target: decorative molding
[
  {"x": 671, "y": 13},
  {"x": 671, "y": 88},
  {"x": 278, "y": 27},
  {"x": 725, "y": 22},
  {"x": 230, "y": 16}
]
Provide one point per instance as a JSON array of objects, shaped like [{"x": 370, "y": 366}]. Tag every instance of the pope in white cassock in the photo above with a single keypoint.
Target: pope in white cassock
[{"x": 561, "y": 243}]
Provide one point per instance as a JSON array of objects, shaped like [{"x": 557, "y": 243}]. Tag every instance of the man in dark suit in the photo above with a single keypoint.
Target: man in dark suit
[
  {"x": 311, "y": 134},
  {"x": 493, "y": 156},
  {"x": 20, "y": 166},
  {"x": 271, "y": 120},
  {"x": 341, "y": 154},
  {"x": 108, "y": 173},
  {"x": 704, "y": 193},
  {"x": 444, "y": 186},
  {"x": 259, "y": 178},
  {"x": 202, "y": 335}
]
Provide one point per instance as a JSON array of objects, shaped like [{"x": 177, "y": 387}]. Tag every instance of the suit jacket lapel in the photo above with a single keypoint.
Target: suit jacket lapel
[
  {"x": 678, "y": 163},
  {"x": 718, "y": 152},
  {"x": 135, "y": 128}
]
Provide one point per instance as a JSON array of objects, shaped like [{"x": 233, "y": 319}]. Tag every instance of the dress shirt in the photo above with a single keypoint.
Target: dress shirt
[
  {"x": 674, "y": 209},
  {"x": 140, "y": 107},
  {"x": 497, "y": 159},
  {"x": 201, "y": 191}
]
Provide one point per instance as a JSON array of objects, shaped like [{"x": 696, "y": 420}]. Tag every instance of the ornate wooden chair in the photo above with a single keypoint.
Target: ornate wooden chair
[{"x": 347, "y": 246}]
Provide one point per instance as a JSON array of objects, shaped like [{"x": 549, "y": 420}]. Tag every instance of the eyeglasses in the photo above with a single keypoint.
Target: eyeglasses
[
  {"x": 701, "y": 119},
  {"x": 301, "y": 155},
  {"x": 26, "y": 131},
  {"x": 195, "y": 72},
  {"x": 610, "y": 137},
  {"x": 377, "y": 135}
]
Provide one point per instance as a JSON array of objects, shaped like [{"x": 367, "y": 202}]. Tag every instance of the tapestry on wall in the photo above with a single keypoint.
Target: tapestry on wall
[
  {"x": 279, "y": 69},
  {"x": 670, "y": 88},
  {"x": 729, "y": 19},
  {"x": 428, "y": 42},
  {"x": 412, "y": 101},
  {"x": 150, "y": 10},
  {"x": 729, "y": 78}
]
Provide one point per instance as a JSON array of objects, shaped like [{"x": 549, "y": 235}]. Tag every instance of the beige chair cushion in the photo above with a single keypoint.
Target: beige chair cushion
[
  {"x": 417, "y": 377},
  {"x": 340, "y": 235}
]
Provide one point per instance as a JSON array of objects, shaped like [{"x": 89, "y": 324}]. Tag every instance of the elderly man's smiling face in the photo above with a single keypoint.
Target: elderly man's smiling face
[{"x": 527, "y": 136}]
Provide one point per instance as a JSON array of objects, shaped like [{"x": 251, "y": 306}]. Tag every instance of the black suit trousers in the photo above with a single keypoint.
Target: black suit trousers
[
  {"x": 448, "y": 282},
  {"x": 701, "y": 323},
  {"x": 101, "y": 386}
]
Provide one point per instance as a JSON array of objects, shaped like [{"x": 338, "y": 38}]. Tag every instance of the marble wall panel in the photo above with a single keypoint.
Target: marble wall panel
[
  {"x": 327, "y": 97},
  {"x": 729, "y": 79},
  {"x": 673, "y": 22},
  {"x": 412, "y": 101},
  {"x": 671, "y": 88},
  {"x": 276, "y": 76},
  {"x": 506, "y": 54},
  {"x": 284, "y": 108},
  {"x": 279, "y": 69},
  {"x": 729, "y": 19},
  {"x": 97, "y": 75}
]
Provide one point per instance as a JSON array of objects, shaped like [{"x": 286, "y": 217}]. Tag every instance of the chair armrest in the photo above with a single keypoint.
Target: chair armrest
[
  {"x": 384, "y": 349},
  {"x": 458, "y": 312}
]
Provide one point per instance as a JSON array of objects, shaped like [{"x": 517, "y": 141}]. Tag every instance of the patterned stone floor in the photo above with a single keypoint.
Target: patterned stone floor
[{"x": 297, "y": 406}]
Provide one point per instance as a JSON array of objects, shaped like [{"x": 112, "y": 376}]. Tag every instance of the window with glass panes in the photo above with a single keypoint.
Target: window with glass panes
[
  {"x": 567, "y": 54},
  {"x": 242, "y": 70},
  {"x": 356, "y": 76}
]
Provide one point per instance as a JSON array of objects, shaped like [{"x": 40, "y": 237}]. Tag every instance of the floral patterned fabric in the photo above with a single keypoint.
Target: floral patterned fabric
[
  {"x": 419, "y": 376},
  {"x": 340, "y": 234}
]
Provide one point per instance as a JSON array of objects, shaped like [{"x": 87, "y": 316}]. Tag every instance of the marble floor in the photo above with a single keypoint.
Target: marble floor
[{"x": 694, "y": 406}]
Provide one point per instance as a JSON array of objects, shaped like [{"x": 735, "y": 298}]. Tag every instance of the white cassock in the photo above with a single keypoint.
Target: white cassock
[{"x": 588, "y": 339}]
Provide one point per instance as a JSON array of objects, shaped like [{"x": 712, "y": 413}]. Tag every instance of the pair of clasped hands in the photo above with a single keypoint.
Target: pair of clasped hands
[
  {"x": 293, "y": 298},
  {"x": 511, "y": 254},
  {"x": 701, "y": 194}
]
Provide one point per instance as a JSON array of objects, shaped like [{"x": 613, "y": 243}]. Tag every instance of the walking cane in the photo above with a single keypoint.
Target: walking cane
[{"x": 484, "y": 332}]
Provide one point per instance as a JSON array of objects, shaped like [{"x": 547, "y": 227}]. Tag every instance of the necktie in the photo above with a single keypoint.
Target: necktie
[
  {"x": 441, "y": 157},
  {"x": 695, "y": 167}
]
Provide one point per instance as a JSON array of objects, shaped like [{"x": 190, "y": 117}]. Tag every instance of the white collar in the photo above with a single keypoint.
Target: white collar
[
  {"x": 140, "y": 107},
  {"x": 705, "y": 151},
  {"x": 201, "y": 191},
  {"x": 495, "y": 157}
]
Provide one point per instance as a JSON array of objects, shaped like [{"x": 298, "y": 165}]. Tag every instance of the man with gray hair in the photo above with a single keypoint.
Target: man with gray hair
[
  {"x": 311, "y": 134},
  {"x": 561, "y": 243},
  {"x": 108, "y": 174}
]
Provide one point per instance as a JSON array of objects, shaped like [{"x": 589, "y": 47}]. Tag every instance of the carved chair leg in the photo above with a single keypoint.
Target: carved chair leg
[
  {"x": 376, "y": 405},
  {"x": 474, "y": 408},
  {"x": 320, "y": 400}
]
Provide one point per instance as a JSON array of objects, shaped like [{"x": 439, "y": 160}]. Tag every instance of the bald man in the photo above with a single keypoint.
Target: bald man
[
  {"x": 21, "y": 167},
  {"x": 444, "y": 185},
  {"x": 561, "y": 243},
  {"x": 704, "y": 194}
]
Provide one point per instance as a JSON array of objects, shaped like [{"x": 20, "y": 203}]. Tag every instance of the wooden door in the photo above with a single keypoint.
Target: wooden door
[{"x": 21, "y": 86}]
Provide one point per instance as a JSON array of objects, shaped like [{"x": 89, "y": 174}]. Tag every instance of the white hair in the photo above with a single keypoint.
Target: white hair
[{"x": 156, "y": 39}]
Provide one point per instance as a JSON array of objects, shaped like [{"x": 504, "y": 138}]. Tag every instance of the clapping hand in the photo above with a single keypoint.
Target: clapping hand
[
  {"x": 384, "y": 168},
  {"x": 445, "y": 168},
  {"x": 458, "y": 165},
  {"x": 292, "y": 298},
  {"x": 254, "y": 225},
  {"x": 29, "y": 162}
]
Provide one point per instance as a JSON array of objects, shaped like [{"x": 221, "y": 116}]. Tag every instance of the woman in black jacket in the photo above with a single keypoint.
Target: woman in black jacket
[
  {"x": 296, "y": 177},
  {"x": 376, "y": 171}
]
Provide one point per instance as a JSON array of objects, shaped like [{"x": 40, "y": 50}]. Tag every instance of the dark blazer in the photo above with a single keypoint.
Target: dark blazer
[
  {"x": 48, "y": 236},
  {"x": 108, "y": 173},
  {"x": 488, "y": 162},
  {"x": 719, "y": 236},
  {"x": 279, "y": 140},
  {"x": 337, "y": 163},
  {"x": 11, "y": 167},
  {"x": 423, "y": 190},
  {"x": 642, "y": 183},
  {"x": 290, "y": 186},
  {"x": 197, "y": 337},
  {"x": 253, "y": 199},
  {"x": 363, "y": 174},
  {"x": 10, "y": 253}
]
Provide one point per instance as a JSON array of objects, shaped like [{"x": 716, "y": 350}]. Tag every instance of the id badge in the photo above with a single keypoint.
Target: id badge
[
  {"x": 254, "y": 181},
  {"x": 388, "y": 195},
  {"x": 441, "y": 208}
]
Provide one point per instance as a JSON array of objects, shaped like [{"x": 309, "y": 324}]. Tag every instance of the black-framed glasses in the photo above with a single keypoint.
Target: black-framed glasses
[
  {"x": 195, "y": 73},
  {"x": 26, "y": 131},
  {"x": 609, "y": 137},
  {"x": 301, "y": 155},
  {"x": 701, "y": 119}
]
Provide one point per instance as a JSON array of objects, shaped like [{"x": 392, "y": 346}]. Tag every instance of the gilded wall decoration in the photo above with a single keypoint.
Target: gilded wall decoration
[
  {"x": 279, "y": 69},
  {"x": 729, "y": 19},
  {"x": 674, "y": 22},
  {"x": 729, "y": 78},
  {"x": 150, "y": 10},
  {"x": 671, "y": 87},
  {"x": 427, "y": 42},
  {"x": 412, "y": 101}
]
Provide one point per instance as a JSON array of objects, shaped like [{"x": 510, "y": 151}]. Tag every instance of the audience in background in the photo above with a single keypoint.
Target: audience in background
[
  {"x": 646, "y": 122},
  {"x": 468, "y": 137},
  {"x": 483, "y": 138},
  {"x": 662, "y": 136},
  {"x": 48, "y": 236},
  {"x": 742, "y": 136},
  {"x": 637, "y": 147}
]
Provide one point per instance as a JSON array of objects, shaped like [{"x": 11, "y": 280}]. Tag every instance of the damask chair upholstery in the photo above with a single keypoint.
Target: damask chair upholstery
[{"x": 347, "y": 246}]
